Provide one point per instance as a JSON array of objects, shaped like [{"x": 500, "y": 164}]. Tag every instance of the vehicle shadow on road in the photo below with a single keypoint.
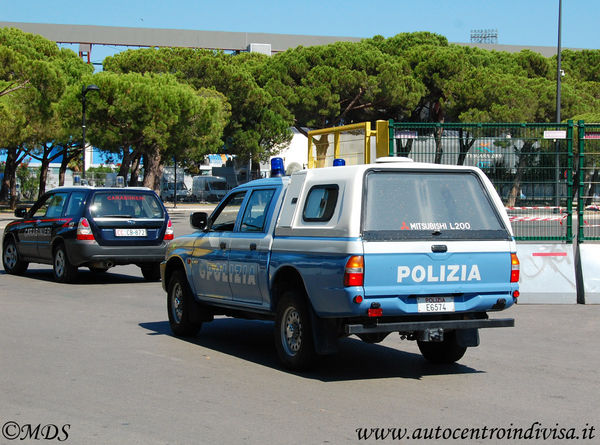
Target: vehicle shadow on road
[
  {"x": 356, "y": 360},
  {"x": 84, "y": 277}
]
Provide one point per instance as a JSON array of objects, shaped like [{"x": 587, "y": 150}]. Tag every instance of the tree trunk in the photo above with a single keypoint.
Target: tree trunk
[
  {"x": 153, "y": 168},
  {"x": 405, "y": 149},
  {"x": 439, "y": 149},
  {"x": 10, "y": 169},
  {"x": 135, "y": 169},
  {"x": 63, "y": 168},
  {"x": 515, "y": 191},
  {"x": 9, "y": 183},
  {"x": 322, "y": 145},
  {"x": 43, "y": 176},
  {"x": 125, "y": 163},
  {"x": 591, "y": 179},
  {"x": 465, "y": 146}
]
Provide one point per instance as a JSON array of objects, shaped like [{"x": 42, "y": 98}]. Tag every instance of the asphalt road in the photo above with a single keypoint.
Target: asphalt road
[{"x": 96, "y": 360}]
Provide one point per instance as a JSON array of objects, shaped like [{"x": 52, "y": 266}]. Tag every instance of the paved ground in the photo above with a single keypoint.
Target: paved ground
[
  {"x": 96, "y": 359},
  {"x": 99, "y": 357}
]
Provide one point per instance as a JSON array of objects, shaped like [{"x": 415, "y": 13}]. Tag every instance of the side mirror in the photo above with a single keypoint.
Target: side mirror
[
  {"x": 199, "y": 220},
  {"x": 21, "y": 212}
]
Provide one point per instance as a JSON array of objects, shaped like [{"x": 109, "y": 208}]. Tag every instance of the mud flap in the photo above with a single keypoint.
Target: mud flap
[
  {"x": 467, "y": 338},
  {"x": 325, "y": 334}
]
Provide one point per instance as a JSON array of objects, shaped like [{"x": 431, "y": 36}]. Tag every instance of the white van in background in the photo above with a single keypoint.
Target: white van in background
[{"x": 209, "y": 188}]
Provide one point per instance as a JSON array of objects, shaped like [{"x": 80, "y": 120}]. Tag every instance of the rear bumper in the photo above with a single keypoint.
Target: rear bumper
[
  {"x": 416, "y": 326},
  {"x": 86, "y": 252}
]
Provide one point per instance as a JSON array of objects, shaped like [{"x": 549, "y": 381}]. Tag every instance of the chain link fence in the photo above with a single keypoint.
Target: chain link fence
[
  {"x": 530, "y": 165},
  {"x": 588, "y": 190}
]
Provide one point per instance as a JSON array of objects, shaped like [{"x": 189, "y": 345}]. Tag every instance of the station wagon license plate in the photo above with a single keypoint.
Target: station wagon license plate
[
  {"x": 130, "y": 232},
  {"x": 435, "y": 304}
]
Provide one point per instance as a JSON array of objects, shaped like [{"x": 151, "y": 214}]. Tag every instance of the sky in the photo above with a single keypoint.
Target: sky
[{"x": 519, "y": 22}]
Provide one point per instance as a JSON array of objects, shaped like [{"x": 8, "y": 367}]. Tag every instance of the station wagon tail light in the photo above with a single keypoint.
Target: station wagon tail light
[
  {"x": 514, "y": 268},
  {"x": 84, "y": 231},
  {"x": 169, "y": 233},
  {"x": 354, "y": 272}
]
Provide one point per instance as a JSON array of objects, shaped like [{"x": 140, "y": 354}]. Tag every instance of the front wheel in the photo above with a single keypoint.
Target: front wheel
[
  {"x": 444, "y": 352},
  {"x": 10, "y": 259},
  {"x": 293, "y": 333},
  {"x": 179, "y": 306},
  {"x": 64, "y": 271}
]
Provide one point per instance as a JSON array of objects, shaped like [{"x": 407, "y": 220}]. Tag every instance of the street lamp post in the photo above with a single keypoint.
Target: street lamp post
[
  {"x": 558, "y": 88},
  {"x": 84, "y": 91}
]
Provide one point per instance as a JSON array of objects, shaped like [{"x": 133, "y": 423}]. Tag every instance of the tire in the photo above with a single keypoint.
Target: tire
[
  {"x": 179, "y": 306},
  {"x": 151, "y": 272},
  {"x": 10, "y": 258},
  {"x": 444, "y": 352},
  {"x": 64, "y": 271},
  {"x": 293, "y": 332}
]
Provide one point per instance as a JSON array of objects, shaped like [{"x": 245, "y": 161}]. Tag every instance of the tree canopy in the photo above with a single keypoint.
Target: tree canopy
[{"x": 157, "y": 104}]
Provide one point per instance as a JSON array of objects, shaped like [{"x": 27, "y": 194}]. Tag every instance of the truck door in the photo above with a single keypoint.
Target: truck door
[
  {"x": 249, "y": 248},
  {"x": 210, "y": 268}
]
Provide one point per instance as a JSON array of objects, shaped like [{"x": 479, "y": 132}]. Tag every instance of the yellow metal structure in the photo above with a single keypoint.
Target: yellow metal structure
[{"x": 381, "y": 134}]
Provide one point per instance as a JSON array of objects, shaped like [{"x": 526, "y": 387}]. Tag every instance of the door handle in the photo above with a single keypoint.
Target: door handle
[
  {"x": 222, "y": 245},
  {"x": 253, "y": 246}
]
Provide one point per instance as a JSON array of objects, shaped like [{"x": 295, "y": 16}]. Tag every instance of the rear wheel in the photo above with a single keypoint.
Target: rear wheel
[
  {"x": 151, "y": 271},
  {"x": 179, "y": 306},
  {"x": 444, "y": 352},
  {"x": 293, "y": 333},
  {"x": 11, "y": 260},
  {"x": 64, "y": 271}
]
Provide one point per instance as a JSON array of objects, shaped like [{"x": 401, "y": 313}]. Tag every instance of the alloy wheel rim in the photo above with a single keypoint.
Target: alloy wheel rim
[
  {"x": 10, "y": 256},
  {"x": 59, "y": 263}
]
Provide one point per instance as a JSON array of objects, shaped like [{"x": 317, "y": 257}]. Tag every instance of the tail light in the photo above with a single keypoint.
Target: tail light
[
  {"x": 169, "y": 233},
  {"x": 514, "y": 268},
  {"x": 354, "y": 272},
  {"x": 84, "y": 231}
]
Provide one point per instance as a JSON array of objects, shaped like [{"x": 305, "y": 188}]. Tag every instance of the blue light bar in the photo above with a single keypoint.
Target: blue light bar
[
  {"x": 339, "y": 162},
  {"x": 277, "y": 167}
]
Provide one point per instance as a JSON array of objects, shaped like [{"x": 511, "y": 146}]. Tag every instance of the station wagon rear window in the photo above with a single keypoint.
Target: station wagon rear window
[
  {"x": 429, "y": 205},
  {"x": 126, "y": 204}
]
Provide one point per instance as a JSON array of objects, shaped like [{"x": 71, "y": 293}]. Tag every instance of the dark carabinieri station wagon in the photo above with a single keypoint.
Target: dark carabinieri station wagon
[{"x": 94, "y": 227}]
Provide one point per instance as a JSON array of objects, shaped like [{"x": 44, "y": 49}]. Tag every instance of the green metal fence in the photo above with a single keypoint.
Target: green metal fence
[
  {"x": 531, "y": 166},
  {"x": 588, "y": 190}
]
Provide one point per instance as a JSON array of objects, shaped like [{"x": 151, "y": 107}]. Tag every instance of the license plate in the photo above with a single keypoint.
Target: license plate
[
  {"x": 435, "y": 304},
  {"x": 130, "y": 232}
]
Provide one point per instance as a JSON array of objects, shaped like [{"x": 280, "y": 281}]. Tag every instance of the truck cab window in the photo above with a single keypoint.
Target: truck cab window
[
  {"x": 256, "y": 211},
  {"x": 224, "y": 219}
]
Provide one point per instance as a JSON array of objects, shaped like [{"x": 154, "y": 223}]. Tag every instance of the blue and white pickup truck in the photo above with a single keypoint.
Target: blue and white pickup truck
[{"x": 420, "y": 249}]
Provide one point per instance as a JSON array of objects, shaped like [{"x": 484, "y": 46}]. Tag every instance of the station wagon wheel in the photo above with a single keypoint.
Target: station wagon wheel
[
  {"x": 11, "y": 260},
  {"x": 179, "y": 306},
  {"x": 293, "y": 332},
  {"x": 444, "y": 352},
  {"x": 64, "y": 271}
]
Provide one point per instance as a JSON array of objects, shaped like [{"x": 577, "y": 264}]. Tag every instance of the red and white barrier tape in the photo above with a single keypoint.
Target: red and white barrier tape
[{"x": 537, "y": 218}]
